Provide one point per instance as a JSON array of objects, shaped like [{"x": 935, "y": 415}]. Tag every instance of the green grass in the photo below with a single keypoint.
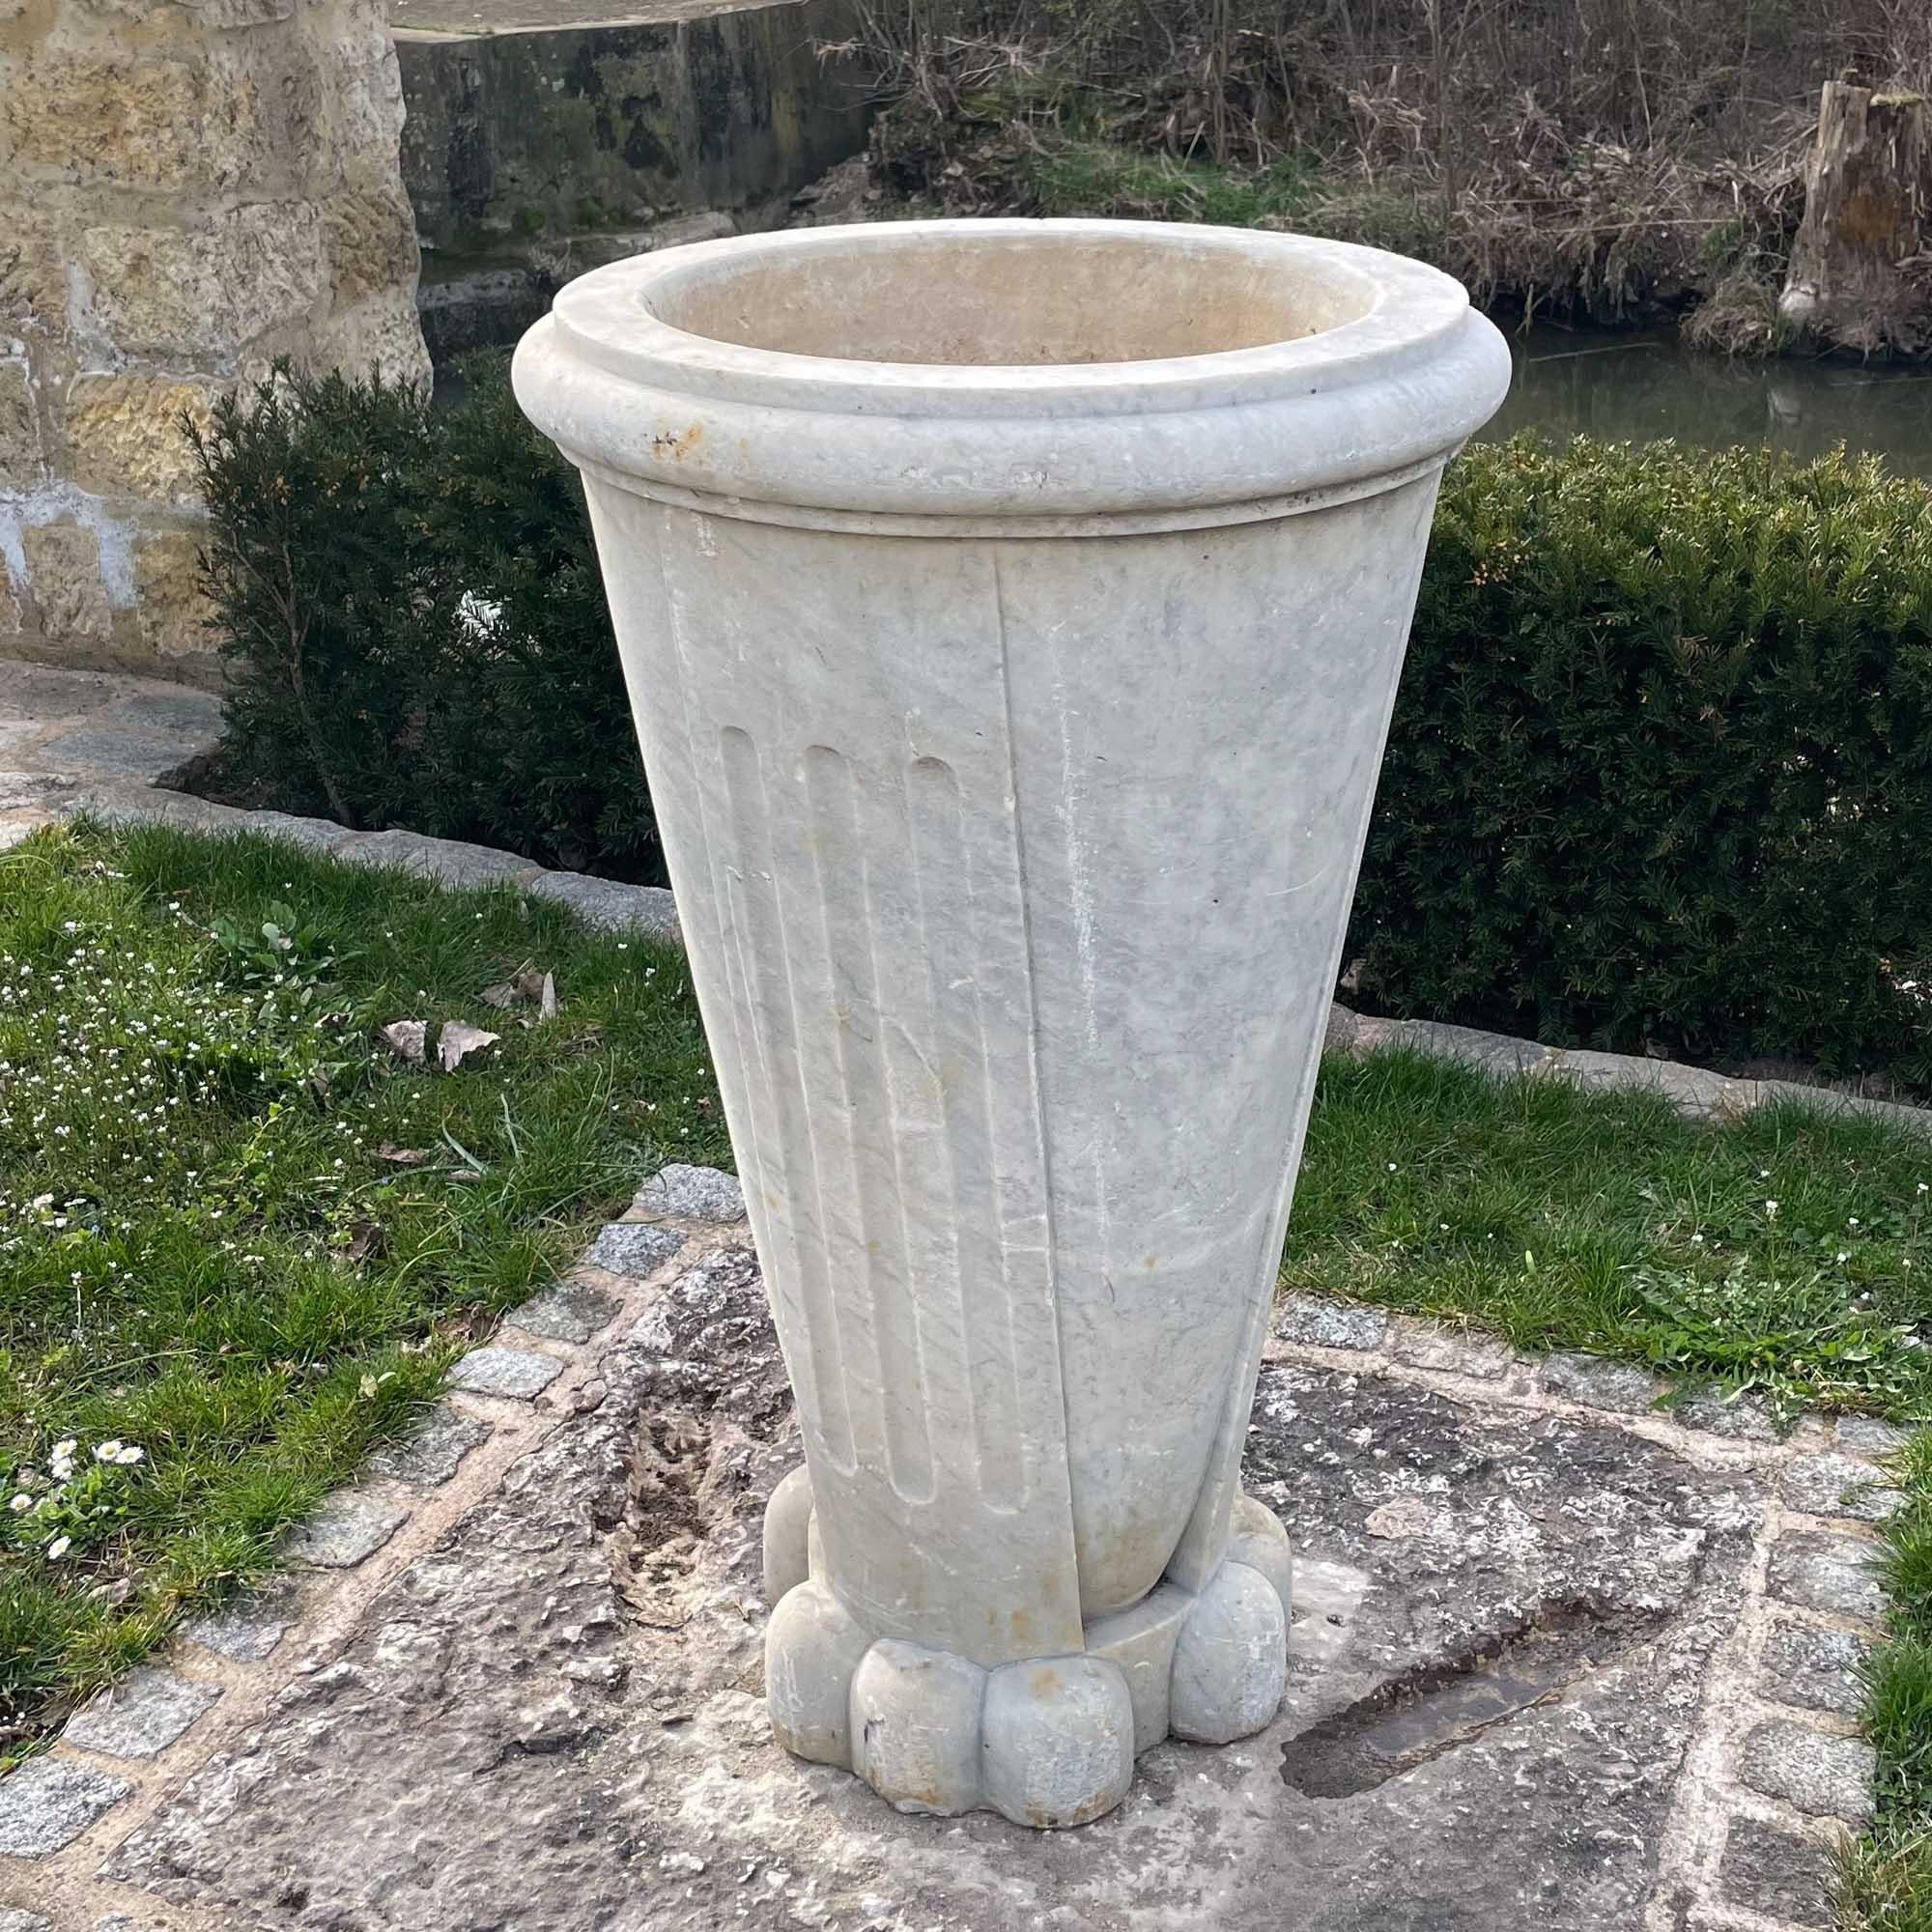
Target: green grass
[
  {"x": 1888, "y": 1875},
  {"x": 1787, "y": 1253},
  {"x": 238, "y": 1233}
]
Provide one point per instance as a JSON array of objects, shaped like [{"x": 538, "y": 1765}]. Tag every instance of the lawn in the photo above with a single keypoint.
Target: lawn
[
  {"x": 241, "y": 1238},
  {"x": 1787, "y": 1253}
]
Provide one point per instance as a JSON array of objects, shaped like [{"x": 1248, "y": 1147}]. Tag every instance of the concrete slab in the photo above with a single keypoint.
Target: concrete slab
[{"x": 554, "y": 1718}]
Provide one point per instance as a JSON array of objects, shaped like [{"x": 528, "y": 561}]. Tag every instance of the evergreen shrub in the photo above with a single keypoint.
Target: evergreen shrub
[{"x": 1660, "y": 768}]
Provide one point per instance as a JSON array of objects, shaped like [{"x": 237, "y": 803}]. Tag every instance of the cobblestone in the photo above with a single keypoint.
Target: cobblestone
[
  {"x": 48, "y": 1803},
  {"x": 141, "y": 1715},
  {"x": 1330, "y": 1325},
  {"x": 520, "y": 1374}
]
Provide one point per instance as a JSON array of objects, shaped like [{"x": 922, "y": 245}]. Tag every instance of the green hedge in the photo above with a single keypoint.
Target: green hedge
[
  {"x": 1661, "y": 770},
  {"x": 414, "y": 628}
]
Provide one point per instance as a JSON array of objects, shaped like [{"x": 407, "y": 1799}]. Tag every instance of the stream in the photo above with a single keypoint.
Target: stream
[{"x": 1626, "y": 386}]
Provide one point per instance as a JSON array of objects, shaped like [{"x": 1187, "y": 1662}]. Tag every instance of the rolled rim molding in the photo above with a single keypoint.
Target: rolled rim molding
[{"x": 1280, "y": 373}]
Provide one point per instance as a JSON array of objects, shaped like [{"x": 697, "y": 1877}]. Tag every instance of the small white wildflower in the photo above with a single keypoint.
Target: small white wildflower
[
  {"x": 1853, "y": 1222},
  {"x": 59, "y": 1547},
  {"x": 1771, "y": 1209},
  {"x": 22, "y": 1502},
  {"x": 1696, "y": 1240},
  {"x": 129, "y": 1456},
  {"x": 106, "y": 1452},
  {"x": 1391, "y": 1167}
]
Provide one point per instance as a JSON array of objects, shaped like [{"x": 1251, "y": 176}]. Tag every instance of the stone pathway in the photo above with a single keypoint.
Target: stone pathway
[
  {"x": 1561, "y": 1660},
  {"x": 98, "y": 728},
  {"x": 73, "y": 741}
]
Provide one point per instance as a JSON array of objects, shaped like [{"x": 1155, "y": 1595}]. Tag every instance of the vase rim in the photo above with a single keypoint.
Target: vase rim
[
  {"x": 1373, "y": 310},
  {"x": 692, "y": 375}
]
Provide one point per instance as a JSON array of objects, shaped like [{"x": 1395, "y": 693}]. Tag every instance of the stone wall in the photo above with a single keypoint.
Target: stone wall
[
  {"x": 534, "y": 154},
  {"x": 189, "y": 188}
]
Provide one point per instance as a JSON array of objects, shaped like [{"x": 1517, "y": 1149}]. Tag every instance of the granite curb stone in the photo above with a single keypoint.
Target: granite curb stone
[
  {"x": 1596, "y": 1382},
  {"x": 520, "y": 1374},
  {"x": 626, "y": 1249},
  {"x": 246, "y": 1628},
  {"x": 348, "y": 1527},
  {"x": 1818, "y": 1669},
  {"x": 688, "y": 1193},
  {"x": 1828, "y": 1776},
  {"x": 433, "y": 1454},
  {"x": 1831, "y": 1484},
  {"x": 1817, "y": 1571},
  {"x": 571, "y": 1310},
  {"x": 141, "y": 1716},
  {"x": 1779, "y": 1874},
  {"x": 1330, "y": 1325},
  {"x": 47, "y": 1803}
]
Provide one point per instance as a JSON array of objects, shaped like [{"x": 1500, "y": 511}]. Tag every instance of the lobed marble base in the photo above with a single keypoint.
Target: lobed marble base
[{"x": 1046, "y": 1741}]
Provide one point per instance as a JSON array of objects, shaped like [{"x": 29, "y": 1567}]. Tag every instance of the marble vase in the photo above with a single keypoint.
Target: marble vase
[{"x": 1012, "y": 612}]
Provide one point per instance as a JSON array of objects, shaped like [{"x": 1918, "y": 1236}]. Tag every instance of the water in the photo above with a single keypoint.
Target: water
[{"x": 1627, "y": 386}]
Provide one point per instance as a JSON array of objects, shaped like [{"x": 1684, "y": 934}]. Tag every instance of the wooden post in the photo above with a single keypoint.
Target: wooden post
[{"x": 1862, "y": 267}]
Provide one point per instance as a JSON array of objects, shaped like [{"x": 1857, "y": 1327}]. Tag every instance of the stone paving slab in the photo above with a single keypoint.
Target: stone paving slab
[
  {"x": 247, "y": 1629},
  {"x": 553, "y": 1715},
  {"x": 48, "y": 1803},
  {"x": 96, "y": 725},
  {"x": 141, "y": 1716}
]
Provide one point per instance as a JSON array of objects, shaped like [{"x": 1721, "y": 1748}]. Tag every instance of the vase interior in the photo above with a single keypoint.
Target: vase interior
[{"x": 1000, "y": 298}]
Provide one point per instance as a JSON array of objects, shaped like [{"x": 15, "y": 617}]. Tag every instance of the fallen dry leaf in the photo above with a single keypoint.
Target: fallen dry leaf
[
  {"x": 1403, "y": 1518},
  {"x": 404, "y": 1039},
  {"x": 502, "y": 994},
  {"x": 401, "y": 1156},
  {"x": 458, "y": 1039}
]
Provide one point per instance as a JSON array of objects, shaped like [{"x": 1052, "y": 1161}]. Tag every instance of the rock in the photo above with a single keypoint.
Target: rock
[
  {"x": 519, "y": 1373},
  {"x": 1835, "y": 1485},
  {"x": 1817, "y": 1669},
  {"x": 1821, "y": 1572},
  {"x": 1597, "y": 1384},
  {"x": 47, "y": 1803},
  {"x": 447, "y": 861},
  {"x": 141, "y": 1715},
  {"x": 247, "y": 1628},
  {"x": 125, "y": 433},
  {"x": 22, "y": 462},
  {"x": 171, "y": 614},
  {"x": 685, "y": 1193},
  {"x": 610, "y": 906},
  {"x": 1329, "y": 1325},
  {"x": 1425, "y": 1346},
  {"x": 1779, "y": 1874},
  {"x": 108, "y": 751},
  {"x": 1828, "y": 1776},
  {"x": 571, "y": 1310},
  {"x": 347, "y": 1529},
  {"x": 433, "y": 1454},
  {"x": 1869, "y": 1436},
  {"x": 315, "y": 834},
  {"x": 65, "y": 577},
  {"x": 633, "y": 1252},
  {"x": 11, "y": 1921}
]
